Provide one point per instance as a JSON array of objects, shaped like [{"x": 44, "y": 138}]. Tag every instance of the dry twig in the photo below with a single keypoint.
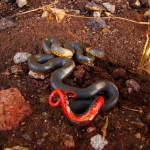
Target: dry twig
[
  {"x": 104, "y": 128},
  {"x": 140, "y": 111}
]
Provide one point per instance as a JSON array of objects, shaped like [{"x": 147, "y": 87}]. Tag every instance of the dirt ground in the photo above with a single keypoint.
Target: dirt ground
[{"x": 47, "y": 128}]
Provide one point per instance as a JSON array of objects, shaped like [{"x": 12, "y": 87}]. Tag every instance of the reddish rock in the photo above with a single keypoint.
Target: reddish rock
[{"x": 13, "y": 108}]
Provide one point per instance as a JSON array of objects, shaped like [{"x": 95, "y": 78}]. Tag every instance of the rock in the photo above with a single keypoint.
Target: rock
[
  {"x": 77, "y": 11},
  {"x": 118, "y": 73},
  {"x": 69, "y": 143},
  {"x": 17, "y": 148},
  {"x": 90, "y": 129},
  {"x": 7, "y": 23},
  {"x": 16, "y": 69},
  {"x": 37, "y": 75},
  {"x": 105, "y": 30},
  {"x": 45, "y": 14},
  {"x": 21, "y": 57},
  {"x": 147, "y": 14},
  {"x": 96, "y": 14},
  {"x": 109, "y": 7},
  {"x": 133, "y": 85},
  {"x": 13, "y": 108},
  {"x": 135, "y": 4},
  {"x": 91, "y": 6},
  {"x": 97, "y": 142},
  {"x": 21, "y": 3},
  {"x": 138, "y": 135},
  {"x": 148, "y": 117},
  {"x": 98, "y": 22}
]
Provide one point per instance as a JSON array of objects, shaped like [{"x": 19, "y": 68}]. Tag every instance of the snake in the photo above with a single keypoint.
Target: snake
[
  {"x": 81, "y": 119},
  {"x": 62, "y": 68}
]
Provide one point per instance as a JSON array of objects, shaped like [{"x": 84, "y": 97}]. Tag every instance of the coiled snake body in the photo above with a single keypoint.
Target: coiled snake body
[{"x": 63, "y": 68}]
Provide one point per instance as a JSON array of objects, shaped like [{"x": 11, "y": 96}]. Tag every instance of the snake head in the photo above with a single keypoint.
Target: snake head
[{"x": 55, "y": 98}]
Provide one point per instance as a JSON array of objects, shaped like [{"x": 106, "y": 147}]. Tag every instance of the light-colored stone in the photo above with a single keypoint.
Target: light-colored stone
[
  {"x": 90, "y": 129},
  {"x": 133, "y": 85},
  {"x": 147, "y": 14},
  {"x": 109, "y": 7},
  {"x": 21, "y": 57},
  {"x": 96, "y": 14},
  {"x": 97, "y": 142},
  {"x": 37, "y": 75},
  {"x": 21, "y": 3},
  {"x": 138, "y": 135},
  {"x": 45, "y": 14},
  {"x": 135, "y": 4}
]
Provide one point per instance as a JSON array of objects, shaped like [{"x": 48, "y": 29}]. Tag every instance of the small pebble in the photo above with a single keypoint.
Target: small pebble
[
  {"x": 138, "y": 135},
  {"x": 77, "y": 11},
  {"x": 91, "y": 6},
  {"x": 21, "y": 3},
  {"x": 38, "y": 75},
  {"x": 136, "y": 4},
  {"x": 90, "y": 129},
  {"x": 109, "y": 7},
  {"x": 16, "y": 69},
  {"x": 97, "y": 142},
  {"x": 69, "y": 143},
  {"x": 147, "y": 14},
  {"x": 133, "y": 84},
  {"x": 96, "y": 14},
  {"x": 98, "y": 22},
  {"x": 21, "y": 57},
  {"x": 45, "y": 14}
]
